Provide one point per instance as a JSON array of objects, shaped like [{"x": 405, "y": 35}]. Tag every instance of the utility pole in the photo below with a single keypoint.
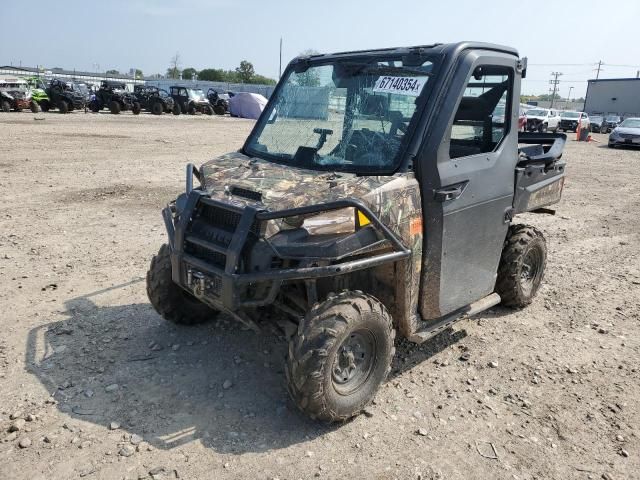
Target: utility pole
[
  {"x": 555, "y": 82},
  {"x": 280, "y": 69},
  {"x": 598, "y": 69}
]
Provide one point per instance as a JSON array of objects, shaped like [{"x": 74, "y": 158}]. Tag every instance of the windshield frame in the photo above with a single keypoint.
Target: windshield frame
[{"x": 399, "y": 162}]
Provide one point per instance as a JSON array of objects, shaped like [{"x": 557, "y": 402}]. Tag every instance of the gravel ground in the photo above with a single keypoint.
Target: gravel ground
[{"x": 94, "y": 384}]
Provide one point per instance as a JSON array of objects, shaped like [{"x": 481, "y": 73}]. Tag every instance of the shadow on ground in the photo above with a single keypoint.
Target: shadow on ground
[{"x": 167, "y": 383}]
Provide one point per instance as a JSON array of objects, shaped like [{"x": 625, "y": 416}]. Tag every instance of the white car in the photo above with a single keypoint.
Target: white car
[{"x": 542, "y": 120}]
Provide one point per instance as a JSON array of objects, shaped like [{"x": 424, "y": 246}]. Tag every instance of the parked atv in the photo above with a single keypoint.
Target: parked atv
[
  {"x": 114, "y": 96},
  {"x": 15, "y": 95},
  {"x": 191, "y": 100},
  {"x": 63, "y": 97},
  {"x": 393, "y": 213},
  {"x": 155, "y": 100},
  {"x": 38, "y": 90},
  {"x": 219, "y": 101}
]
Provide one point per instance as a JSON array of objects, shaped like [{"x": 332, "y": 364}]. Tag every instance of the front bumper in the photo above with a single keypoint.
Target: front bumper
[
  {"x": 210, "y": 267},
  {"x": 629, "y": 142}
]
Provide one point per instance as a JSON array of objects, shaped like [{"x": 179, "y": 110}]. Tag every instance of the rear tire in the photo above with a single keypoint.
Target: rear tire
[
  {"x": 6, "y": 106},
  {"x": 208, "y": 110},
  {"x": 176, "y": 109},
  {"x": 35, "y": 108},
  {"x": 63, "y": 106},
  {"x": 44, "y": 105},
  {"x": 340, "y": 356},
  {"x": 95, "y": 106},
  {"x": 191, "y": 110},
  {"x": 114, "y": 106},
  {"x": 219, "y": 110},
  {"x": 136, "y": 108},
  {"x": 172, "y": 302},
  {"x": 522, "y": 265},
  {"x": 157, "y": 108}
]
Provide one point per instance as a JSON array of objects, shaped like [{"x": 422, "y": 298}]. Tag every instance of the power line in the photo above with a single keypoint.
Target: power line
[{"x": 598, "y": 69}]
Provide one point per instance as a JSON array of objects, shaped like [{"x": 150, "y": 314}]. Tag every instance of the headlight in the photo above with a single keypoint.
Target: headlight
[
  {"x": 344, "y": 220},
  {"x": 614, "y": 133}
]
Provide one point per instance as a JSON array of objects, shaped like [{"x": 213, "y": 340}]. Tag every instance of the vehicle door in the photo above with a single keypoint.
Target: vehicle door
[{"x": 468, "y": 197}]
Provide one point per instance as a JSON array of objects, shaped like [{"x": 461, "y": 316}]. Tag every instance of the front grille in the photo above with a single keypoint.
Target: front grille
[
  {"x": 211, "y": 231},
  {"x": 220, "y": 217},
  {"x": 214, "y": 258}
]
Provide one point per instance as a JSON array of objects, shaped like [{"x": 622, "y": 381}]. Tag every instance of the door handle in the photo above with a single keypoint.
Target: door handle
[{"x": 450, "y": 192}]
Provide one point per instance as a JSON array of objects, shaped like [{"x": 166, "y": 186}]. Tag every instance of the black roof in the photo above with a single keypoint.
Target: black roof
[
  {"x": 612, "y": 79},
  {"x": 436, "y": 47}
]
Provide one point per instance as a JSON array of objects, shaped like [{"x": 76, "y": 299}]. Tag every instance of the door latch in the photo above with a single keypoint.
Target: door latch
[{"x": 450, "y": 192}]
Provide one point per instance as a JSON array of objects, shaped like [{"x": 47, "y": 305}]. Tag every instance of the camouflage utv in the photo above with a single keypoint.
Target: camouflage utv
[{"x": 376, "y": 194}]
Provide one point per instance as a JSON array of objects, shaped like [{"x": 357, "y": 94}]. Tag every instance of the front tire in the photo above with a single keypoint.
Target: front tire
[
  {"x": 522, "y": 265},
  {"x": 172, "y": 302},
  {"x": 176, "y": 109},
  {"x": 340, "y": 356},
  {"x": 63, "y": 106},
  {"x": 35, "y": 108},
  {"x": 157, "y": 108},
  {"x": 44, "y": 105},
  {"x": 6, "y": 106},
  {"x": 115, "y": 108},
  {"x": 136, "y": 108}
]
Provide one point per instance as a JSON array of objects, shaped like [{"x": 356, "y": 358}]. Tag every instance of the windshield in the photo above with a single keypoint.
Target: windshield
[
  {"x": 570, "y": 115},
  {"x": 349, "y": 115},
  {"x": 537, "y": 113},
  {"x": 613, "y": 119},
  {"x": 631, "y": 123},
  {"x": 197, "y": 95}
]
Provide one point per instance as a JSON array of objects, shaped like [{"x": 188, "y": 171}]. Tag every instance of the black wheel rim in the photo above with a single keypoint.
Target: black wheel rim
[
  {"x": 531, "y": 271},
  {"x": 354, "y": 362}
]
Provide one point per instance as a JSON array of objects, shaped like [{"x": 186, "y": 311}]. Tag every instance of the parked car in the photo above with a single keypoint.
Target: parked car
[
  {"x": 155, "y": 100},
  {"x": 15, "y": 95},
  {"x": 522, "y": 120},
  {"x": 542, "y": 120},
  {"x": 219, "y": 101},
  {"x": 627, "y": 133},
  {"x": 570, "y": 121},
  {"x": 114, "y": 95},
  {"x": 611, "y": 122},
  {"x": 64, "y": 97},
  {"x": 597, "y": 123},
  {"x": 191, "y": 100}
]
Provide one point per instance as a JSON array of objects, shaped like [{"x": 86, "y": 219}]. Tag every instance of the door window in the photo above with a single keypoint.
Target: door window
[{"x": 483, "y": 116}]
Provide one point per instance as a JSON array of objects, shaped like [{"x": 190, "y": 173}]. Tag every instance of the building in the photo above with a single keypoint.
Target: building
[
  {"x": 93, "y": 78},
  {"x": 616, "y": 96},
  {"x": 90, "y": 78}
]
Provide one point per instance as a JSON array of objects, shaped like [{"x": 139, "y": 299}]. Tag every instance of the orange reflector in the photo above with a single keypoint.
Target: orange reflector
[
  {"x": 415, "y": 227},
  {"x": 362, "y": 219}
]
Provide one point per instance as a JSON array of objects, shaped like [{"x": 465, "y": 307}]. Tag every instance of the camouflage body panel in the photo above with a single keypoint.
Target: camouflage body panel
[{"x": 395, "y": 200}]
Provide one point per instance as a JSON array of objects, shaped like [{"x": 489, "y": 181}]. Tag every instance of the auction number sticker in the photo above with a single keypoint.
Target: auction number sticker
[{"x": 410, "y": 86}]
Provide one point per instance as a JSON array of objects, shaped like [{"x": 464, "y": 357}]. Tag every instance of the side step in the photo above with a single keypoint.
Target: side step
[{"x": 476, "y": 307}]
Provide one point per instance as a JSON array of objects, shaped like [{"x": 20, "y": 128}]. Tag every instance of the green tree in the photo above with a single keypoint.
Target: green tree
[
  {"x": 138, "y": 73},
  {"x": 189, "y": 73},
  {"x": 212, "y": 75},
  {"x": 112, "y": 72},
  {"x": 245, "y": 71},
  {"x": 259, "y": 79}
]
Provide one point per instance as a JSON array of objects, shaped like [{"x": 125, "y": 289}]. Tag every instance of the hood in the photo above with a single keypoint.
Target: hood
[
  {"x": 536, "y": 117},
  {"x": 228, "y": 178},
  {"x": 627, "y": 130}
]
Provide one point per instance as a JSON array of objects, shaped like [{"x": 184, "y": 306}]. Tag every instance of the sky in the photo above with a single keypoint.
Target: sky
[{"x": 563, "y": 36}]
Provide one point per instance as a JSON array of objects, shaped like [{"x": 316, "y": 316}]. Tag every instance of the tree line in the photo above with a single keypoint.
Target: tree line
[{"x": 244, "y": 73}]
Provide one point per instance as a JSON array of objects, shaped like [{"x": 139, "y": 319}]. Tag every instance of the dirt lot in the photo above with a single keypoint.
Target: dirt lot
[{"x": 102, "y": 387}]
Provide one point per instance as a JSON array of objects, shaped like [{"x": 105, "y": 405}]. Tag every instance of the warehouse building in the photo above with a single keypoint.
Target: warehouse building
[
  {"x": 93, "y": 78},
  {"x": 616, "y": 96},
  {"x": 90, "y": 78}
]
